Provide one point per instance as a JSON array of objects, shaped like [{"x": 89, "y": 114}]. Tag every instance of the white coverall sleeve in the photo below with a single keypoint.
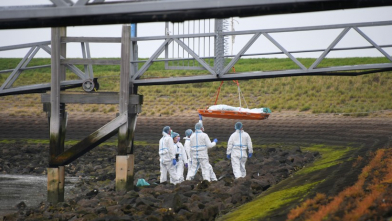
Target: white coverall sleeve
[
  {"x": 250, "y": 147},
  {"x": 184, "y": 155},
  {"x": 208, "y": 142},
  {"x": 187, "y": 147},
  {"x": 187, "y": 150},
  {"x": 171, "y": 147},
  {"x": 229, "y": 145}
]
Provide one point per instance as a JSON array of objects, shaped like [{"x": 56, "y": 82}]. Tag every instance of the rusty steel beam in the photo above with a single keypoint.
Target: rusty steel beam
[{"x": 90, "y": 142}]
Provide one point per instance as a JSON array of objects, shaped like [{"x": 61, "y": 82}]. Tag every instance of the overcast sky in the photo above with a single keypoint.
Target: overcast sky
[{"x": 290, "y": 41}]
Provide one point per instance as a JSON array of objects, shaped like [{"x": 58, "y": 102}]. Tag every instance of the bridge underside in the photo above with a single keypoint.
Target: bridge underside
[{"x": 66, "y": 13}]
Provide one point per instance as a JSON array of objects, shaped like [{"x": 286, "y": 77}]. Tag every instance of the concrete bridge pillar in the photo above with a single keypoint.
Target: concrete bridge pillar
[
  {"x": 125, "y": 158},
  {"x": 55, "y": 186},
  {"x": 57, "y": 118}
]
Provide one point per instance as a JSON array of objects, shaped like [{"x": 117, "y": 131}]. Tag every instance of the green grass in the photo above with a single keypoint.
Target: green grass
[
  {"x": 330, "y": 157},
  {"x": 315, "y": 94},
  {"x": 292, "y": 189},
  {"x": 261, "y": 206}
]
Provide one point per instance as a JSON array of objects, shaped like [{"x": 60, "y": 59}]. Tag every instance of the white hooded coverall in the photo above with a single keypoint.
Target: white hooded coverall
[
  {"x": 200, "y": 142},
  {"x": 187, "y": 147},
  {"x": 167, "y": 153},
  {"x": 182, "y": 160},
  {"x": 238, "y": 143}
]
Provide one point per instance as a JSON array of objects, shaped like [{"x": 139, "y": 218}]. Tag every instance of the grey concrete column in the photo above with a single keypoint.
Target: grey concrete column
[
  {"x": 55, "y": 94},
  {"x": 122, "y": 160},
  {"x": 58, "y": 119}
]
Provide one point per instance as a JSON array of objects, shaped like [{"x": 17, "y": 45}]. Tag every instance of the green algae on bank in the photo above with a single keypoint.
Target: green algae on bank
[
  {"x": 261, "y": 207},
  {"x": 330, "y": 156},
  {"x": 284, "y": 193}
]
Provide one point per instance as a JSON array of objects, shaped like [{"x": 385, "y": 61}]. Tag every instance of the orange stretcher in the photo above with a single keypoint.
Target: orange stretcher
[{"x": 233, "y": 114}]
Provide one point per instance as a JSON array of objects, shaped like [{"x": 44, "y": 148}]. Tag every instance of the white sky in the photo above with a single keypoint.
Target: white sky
[{"x": 290, "y": 41}]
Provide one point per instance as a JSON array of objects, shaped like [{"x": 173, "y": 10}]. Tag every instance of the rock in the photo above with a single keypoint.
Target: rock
[
  {"x": 298, "y": 161},
  {"x": 191, "y": 193},
  {"x": 172, "y": 201},
  {"x": 183, "y": 188},
  {"x": 283, "y": 153},
  {"x": 88, "y": 203},
  {"x": 271, "y": 150},
  {"x": 282, "y": 159},
  {"x": 242, "y": 182},
  {"x": 21, "y": 205},
  {"x": 128, "y": 201},
  {"x": 203, "y": 185},
  {"x": 92, "y": 193},
  {"x": 127, "y": 209},
  {"x": 149, "y": 201},
  {"x": 222, "y": 165},
  {"x": 211, "y": 212},
  {"x": 101, "y": 209},
  {"x": 189, "y": 200},
  {"x": 115, "y": 210},
  {"x": 235, "y": 198},
  {"x": 27, "y": 170},
  {"x": 205, "y": 197},
  {"x": 259, "y": 185},
  {"x": 297, "y": 149},
  {"x": 112, "y": 218},
  {"x": 90, "y": 216},
  {"x": 147, "y": 210},
  {"x": 271, "y": 162},
  {"x": 184, "y": 212},
  {"x": 153, "y": 218}
]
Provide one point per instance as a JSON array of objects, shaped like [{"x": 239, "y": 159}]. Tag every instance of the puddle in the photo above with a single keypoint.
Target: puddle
[{"x": 27, "y": 188}]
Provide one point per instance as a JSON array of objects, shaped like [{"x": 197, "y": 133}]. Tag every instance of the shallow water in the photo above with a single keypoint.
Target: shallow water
[{"x": 27, "y": 188}]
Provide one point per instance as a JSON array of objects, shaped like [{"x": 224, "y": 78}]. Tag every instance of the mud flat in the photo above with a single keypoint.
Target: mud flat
[{"x": 284, "y": 144}]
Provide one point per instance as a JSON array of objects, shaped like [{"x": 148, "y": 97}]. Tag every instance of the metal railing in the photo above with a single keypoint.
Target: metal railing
[
  {"x": 218, "y": 70},
  {"x": 6, "y": 87},
  {"x": 223, "y": 73}
]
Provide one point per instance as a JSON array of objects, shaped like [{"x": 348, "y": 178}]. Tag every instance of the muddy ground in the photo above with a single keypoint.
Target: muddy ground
[
  {"x": 283, "y": 129},
  {"x": 279, "y": 128}
]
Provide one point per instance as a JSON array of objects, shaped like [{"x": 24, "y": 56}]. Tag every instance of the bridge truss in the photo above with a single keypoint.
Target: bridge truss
[{"x": 185, "y": 48}]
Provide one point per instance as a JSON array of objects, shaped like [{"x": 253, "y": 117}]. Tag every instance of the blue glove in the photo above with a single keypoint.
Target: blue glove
[
  {"x": 250, "y": 155},
  {"x": 200, "y": 117},
  {"x": 174, "y": 162},
  {"x": 186, "y": 165},
  {"x": 215, "y": 140},
  {"x": 228, "y": 156}
]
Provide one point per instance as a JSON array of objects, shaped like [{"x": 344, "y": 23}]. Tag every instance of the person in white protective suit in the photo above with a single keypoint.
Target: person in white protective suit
[
  {"x": 238, "y": 143},
  {"x": 167, "y": 155},
  {"x": 187, "y": 146},
  {"x": 200, "y": 143},
  {"x": 181, "y": 157}
]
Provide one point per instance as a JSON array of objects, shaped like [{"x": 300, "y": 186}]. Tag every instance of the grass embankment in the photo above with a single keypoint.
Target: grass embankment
[
  {"x": 316, "y": 94},
  {"x": 369, "y": 198},
  {"x": 293, "y": 189}
]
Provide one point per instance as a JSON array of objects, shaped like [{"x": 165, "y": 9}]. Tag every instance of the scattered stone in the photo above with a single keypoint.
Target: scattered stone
[{"x": 96, "y": 199}]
